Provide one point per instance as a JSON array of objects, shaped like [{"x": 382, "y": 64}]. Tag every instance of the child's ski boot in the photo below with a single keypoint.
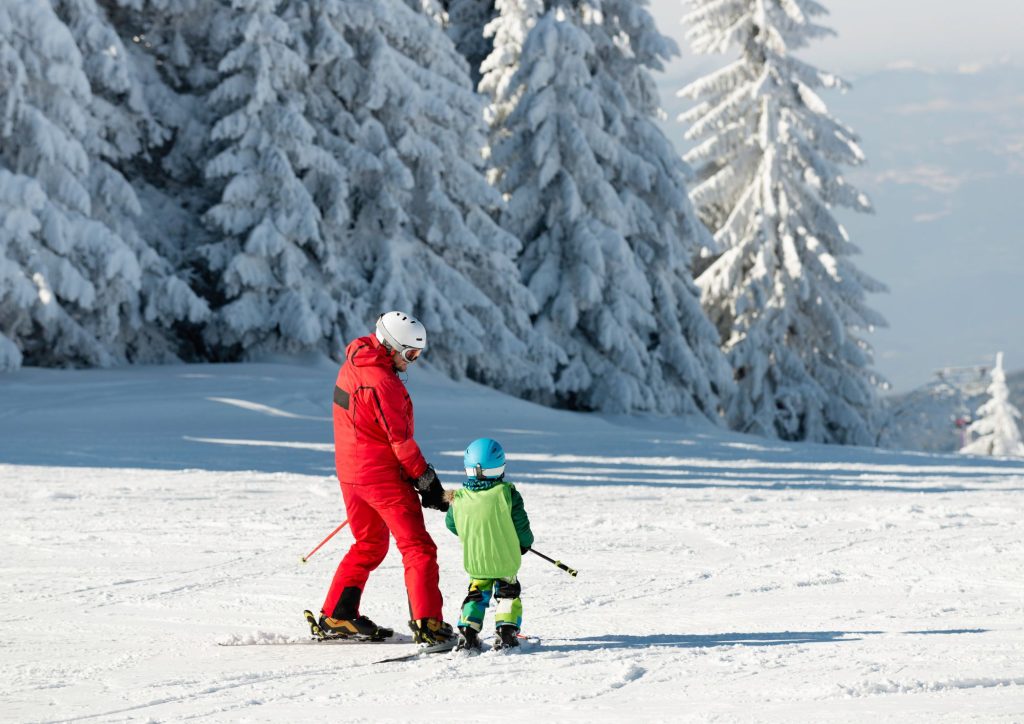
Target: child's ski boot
[
  {"x": 469, "y": 639},
  {"x": 507, "y": 638}
]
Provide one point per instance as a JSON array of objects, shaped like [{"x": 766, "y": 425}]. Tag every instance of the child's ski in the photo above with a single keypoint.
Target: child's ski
[
  {"x": 422, "y": 650},
  {"x": 526, "y": 643}
]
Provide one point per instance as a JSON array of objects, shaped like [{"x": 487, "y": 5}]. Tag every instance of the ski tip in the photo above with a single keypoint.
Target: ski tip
[
  {"x": 396, "y": 659},
  {"x": 314, "y": 624},
  {"x": 421, "y": 650}
]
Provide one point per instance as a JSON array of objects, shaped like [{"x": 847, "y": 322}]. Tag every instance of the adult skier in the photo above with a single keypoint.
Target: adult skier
[{"x": 381, "y": 470}]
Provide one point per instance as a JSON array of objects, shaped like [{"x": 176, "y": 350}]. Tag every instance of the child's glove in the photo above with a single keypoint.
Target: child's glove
[
  {"x": 431, "y": 491},
  {"x": 524, "y": 549}
]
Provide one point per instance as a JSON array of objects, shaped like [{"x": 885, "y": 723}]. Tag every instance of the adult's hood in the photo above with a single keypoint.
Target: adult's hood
[{"x": 368, "y": 352}]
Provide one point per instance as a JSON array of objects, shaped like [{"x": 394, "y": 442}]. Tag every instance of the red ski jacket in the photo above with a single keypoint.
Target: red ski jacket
[{"x": 373, "y": 423}]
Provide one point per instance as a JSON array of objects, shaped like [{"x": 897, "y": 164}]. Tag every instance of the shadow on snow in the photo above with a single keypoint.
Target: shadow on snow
[
  {"x": 276, "y": 419},
  {"x": 695, "y": 641}
]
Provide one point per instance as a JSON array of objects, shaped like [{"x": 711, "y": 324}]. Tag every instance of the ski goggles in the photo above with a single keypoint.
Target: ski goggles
[{"x": 409, "y": 354}]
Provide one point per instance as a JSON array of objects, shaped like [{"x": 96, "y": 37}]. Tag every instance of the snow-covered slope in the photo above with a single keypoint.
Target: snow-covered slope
[{"x": 147, "y": 514}]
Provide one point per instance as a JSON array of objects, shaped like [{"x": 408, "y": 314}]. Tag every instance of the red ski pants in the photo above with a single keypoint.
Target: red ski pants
[{"x": 374, "y": 511}]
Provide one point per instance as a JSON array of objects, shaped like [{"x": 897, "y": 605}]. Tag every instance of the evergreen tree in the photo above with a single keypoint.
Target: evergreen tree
[
  {"x": 466, "y": 20},
  {"x": 688, "y": 368},
  {"x": 125, "y": 131},
  {"x": 24, "y": 297},
  {"x": 506, "y": 32},
  {"x": 996, "y": 426},
  {"x": 173, "y": 49},
  {"x": 594, "y": 300},
  {"x": 599, "y": 199},
  {"x": 270, "y": 256},
  {"x": 391, "y": 98},
  {"x": 70, "y": 282},
  {"x": 786, "y": 299}
]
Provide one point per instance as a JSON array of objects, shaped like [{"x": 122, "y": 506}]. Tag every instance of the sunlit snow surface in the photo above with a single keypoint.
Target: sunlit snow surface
[{"x": 149, "y": 514}]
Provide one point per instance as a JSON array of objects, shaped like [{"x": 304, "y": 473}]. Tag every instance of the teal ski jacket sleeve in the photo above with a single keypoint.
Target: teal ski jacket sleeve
[{"x": 521, "y": 519}]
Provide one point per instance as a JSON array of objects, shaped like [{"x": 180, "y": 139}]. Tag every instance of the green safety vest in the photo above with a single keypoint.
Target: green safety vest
[{"x": 490, "y": 545}]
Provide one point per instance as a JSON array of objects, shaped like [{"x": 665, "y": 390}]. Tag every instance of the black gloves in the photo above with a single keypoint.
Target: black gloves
[
  {"x": 426, "y": 480},
  {"x": 523, "y": 550},
  {"x": 431, "y": 491}
]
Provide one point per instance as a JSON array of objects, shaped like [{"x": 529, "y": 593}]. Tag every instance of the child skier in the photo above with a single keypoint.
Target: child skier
[{"x": 489, "y": 517}]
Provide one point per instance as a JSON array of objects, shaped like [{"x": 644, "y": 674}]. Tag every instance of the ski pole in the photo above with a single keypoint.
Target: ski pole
[
  {"x": 309, "y": 555},
  {"x": 571, "y": 571}
]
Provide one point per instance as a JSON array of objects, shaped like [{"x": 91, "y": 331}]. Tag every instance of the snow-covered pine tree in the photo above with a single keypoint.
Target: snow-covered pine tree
[
  {"x": 466, "y": 20},
  {"x": 173, "y": 48},
  {"x": 270, "y": 256},
  {"x": 599, "y": 198},
  {"x": 688, "y": 368},
  {"x": 506, "y": 33},
  {"x": 123, "y": 135},
  {"x": 594, "y": 300},
  {"x": 784, "y": 295},
  {"x": 70, "y": 282},
  {"x": 394, "y": 102},
  {"x": 996, "y": 425},
  {"x": 22, "y": 299}
]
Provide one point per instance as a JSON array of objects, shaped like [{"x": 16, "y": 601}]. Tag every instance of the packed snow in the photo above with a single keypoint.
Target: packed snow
[{"x": 150, "y": 514}]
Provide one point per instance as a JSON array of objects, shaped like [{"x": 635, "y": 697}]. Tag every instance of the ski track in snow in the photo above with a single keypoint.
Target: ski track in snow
[{"x": 721, "y": 578}]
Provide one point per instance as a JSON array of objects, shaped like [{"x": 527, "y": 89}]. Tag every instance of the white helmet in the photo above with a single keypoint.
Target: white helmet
[{"x": 401, "y": 333}]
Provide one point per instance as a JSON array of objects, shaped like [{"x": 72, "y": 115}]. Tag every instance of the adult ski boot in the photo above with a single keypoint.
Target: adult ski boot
[
  {"x": 359, "y": 627},
  {"x": 345, "y": 621},
  {"x": 433, "y": 635}
]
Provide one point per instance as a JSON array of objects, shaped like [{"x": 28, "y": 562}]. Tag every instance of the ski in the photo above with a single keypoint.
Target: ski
[
  {"x": 526, "y": 644},
  {"x": 284, "y": 640},
  {"x": 422, "y": 650}
]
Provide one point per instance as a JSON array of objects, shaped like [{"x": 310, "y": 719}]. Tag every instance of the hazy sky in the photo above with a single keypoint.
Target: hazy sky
[{"x": 874, "y": 34}]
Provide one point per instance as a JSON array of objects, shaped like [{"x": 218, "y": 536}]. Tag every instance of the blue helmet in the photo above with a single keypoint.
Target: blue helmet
[{"x": 484, "y": 459}]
